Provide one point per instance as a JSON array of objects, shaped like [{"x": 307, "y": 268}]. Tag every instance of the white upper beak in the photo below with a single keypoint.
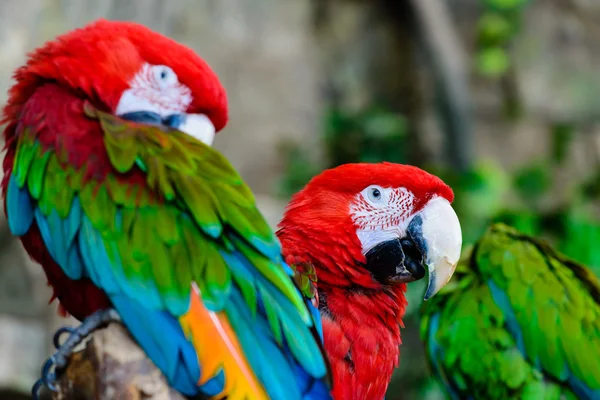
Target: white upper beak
[
  {"x": 200, "y": 127},
  {"x": 443, "y": 238}
]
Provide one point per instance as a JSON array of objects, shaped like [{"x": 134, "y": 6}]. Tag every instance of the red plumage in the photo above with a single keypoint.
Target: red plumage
[
  {"x": 361, "y": 317},
  {"x": 92, "y": 64}
]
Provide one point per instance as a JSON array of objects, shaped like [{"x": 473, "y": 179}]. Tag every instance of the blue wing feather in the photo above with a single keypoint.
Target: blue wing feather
[
  {"x": 263, "y": 352},
  {"x": 161, "y": 337},
  {"x": 316, "y": 316},
  {"x": 19, "y": 208}
]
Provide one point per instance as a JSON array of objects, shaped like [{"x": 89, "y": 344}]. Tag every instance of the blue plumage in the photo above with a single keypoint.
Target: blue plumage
[
  {"x": 263, "y": 352},
  {"x": 163, "y": 340},
  {"x": 19, "y": 208}
]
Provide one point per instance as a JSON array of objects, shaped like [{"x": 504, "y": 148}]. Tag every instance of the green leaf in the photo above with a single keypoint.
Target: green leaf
[
  {"x": 505, "y": 5},
  {"x": 492, "y": 62},
  {"x": 562, "y": 137},
  {"x": 533, "y": 181},
  {"x": 494, "y": 29}
]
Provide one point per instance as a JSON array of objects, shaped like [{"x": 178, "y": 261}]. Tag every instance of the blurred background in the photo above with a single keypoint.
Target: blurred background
[{"x": 501, "y": 98}]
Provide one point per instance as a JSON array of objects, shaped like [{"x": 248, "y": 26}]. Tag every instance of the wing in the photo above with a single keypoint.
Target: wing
[
  {"x": 518, "y": 321},
  {"x": 167, "y": 228}
]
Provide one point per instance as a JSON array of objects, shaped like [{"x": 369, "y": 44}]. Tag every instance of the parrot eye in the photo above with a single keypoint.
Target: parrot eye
[
  {"x": 375, "y": 194},
  {"x": 164, "y": 76}
]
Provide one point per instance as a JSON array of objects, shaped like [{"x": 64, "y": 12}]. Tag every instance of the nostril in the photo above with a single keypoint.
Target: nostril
[{"x": 174, "y": 120}]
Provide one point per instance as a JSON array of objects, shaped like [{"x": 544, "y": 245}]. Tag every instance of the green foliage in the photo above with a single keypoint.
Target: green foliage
[
  {"x": 494, "y": 29},
  {"x": 479, "y": 193},
  {"x": 505, "y": 5},
  {"x": 533, "y": 182},
  {"x": 371, "y": 135},
  {"x": 299, "y": 168},
  {"x": 492, "y": 62},
  {"x": 562, "y": 135},
  {"x": 498, "y": 25}
]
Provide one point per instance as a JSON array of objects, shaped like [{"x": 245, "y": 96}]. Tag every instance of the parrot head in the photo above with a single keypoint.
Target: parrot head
[
  {"x": 131, "y": 71},
  {"x": 384, "y": 224}
]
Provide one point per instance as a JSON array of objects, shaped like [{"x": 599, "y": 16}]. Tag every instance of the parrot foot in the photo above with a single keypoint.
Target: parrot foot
[{"x": 58, "y": 360}]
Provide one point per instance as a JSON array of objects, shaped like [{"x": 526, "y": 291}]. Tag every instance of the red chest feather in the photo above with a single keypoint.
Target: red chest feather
[{"x": 362, "y": 338}]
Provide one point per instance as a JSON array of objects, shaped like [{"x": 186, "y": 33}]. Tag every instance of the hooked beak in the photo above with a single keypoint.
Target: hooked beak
[
  {"x": 436, "y": 230},
  {"x": 433, "y": 239}
]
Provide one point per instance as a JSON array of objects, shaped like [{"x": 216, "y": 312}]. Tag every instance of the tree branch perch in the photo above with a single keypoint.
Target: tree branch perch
[{"x": 112, "y": 366}]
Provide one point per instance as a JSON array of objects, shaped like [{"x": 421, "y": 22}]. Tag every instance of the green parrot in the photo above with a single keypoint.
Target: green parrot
[{"x": 519, "y": 321}]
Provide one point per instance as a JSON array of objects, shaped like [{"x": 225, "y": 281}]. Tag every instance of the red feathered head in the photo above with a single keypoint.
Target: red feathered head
[
  {"x": 128, "y": 69},
  {"x": 373, "y": 225}
]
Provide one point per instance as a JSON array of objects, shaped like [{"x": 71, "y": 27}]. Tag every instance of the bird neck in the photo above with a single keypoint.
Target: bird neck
[{"x": 361, "y": 332}]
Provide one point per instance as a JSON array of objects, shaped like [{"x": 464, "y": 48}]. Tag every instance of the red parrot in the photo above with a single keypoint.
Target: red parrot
[
  {"x": 112, "y": 186},
  {"x": 362, "y": 231}
]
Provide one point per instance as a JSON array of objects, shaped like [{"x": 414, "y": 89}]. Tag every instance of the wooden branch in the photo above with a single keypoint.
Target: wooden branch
[{"x": 112, "y": 366}]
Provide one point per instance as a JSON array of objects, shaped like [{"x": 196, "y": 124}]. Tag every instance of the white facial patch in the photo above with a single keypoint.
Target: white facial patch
[
  {"x": 381, "y": 214},
  {"x": 156, "y": 89}
]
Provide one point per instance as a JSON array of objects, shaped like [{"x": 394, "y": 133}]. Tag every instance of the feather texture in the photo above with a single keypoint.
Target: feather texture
[{"x": 518, "y": 320}]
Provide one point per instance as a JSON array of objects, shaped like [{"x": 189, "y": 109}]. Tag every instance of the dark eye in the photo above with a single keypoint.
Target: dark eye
[
  {"x": 374, "y": 194},
  {"x": 165, "y": 77}
]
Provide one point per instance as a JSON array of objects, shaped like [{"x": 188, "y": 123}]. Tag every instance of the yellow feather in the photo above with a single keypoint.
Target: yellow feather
[{"x": 218, "y": 348}]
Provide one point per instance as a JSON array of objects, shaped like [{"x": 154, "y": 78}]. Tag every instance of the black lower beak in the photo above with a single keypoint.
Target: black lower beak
[
  {"x": 151, "y": 118},
  {"x": 397, "y": 261}
]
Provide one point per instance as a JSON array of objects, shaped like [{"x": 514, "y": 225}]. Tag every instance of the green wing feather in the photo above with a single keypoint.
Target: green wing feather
[
  {"x": 518, "y": 320},
  {"x": 305, "y": 276},
  {"x": 205, "y": 184}
]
